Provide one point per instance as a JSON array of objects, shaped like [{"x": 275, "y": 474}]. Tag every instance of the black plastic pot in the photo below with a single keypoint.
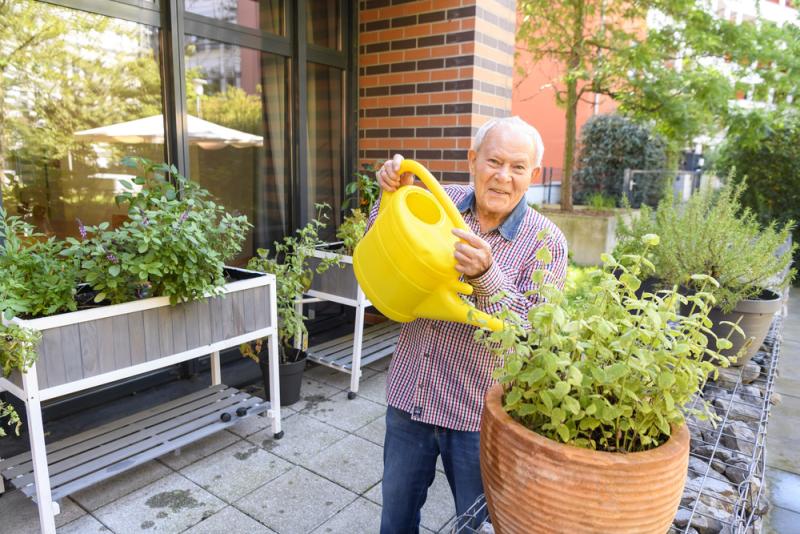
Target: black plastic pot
[
  {"x": 756, "y": 316},
  {"x": 291, "y": 376}
]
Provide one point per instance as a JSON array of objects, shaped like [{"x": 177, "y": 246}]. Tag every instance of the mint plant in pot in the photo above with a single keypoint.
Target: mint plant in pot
[
  {"x": 290, "y": 265},
  {"x": 713, "y": 234},
  {"x": 585, "y": 430}
]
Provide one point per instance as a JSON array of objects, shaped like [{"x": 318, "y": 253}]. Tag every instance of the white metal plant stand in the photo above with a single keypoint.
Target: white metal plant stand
[
  {"x": 86, "y": 349},
  {"x": 349, "y": 353}
]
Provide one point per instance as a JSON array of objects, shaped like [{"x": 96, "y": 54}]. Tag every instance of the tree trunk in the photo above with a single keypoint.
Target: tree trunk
[{"x": 569, "y": 145}]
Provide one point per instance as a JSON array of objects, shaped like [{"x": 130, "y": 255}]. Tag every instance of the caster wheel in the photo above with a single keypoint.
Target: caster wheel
[
  {"x": 225, "y": 417},
  {"x": 241, "y": 411},
  {"x": 279, "y": 435},
  {"x": 351, "y": 395}
]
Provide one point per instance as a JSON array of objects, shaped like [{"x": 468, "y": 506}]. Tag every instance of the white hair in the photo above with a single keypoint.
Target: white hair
[{"x": 520, "y": 125}]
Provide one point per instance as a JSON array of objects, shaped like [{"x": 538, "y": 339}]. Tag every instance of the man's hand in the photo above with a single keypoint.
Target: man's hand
[
  {"x": 389, "y": 179},
  {"x": 474, "y": 257}
]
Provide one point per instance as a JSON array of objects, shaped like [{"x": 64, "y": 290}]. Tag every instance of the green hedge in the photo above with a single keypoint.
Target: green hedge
[{"x": 610, "y": 144}]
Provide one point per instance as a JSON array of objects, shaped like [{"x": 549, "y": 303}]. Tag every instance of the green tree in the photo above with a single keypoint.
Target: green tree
[{"x": 670, "y": 72}]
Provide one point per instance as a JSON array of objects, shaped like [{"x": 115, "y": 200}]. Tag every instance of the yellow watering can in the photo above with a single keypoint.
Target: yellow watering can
[{"x": 405, "y": 263}]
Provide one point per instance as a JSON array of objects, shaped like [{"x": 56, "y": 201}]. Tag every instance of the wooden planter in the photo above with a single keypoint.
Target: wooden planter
[
  {"x": 338, "y": 282},
  {"x": 534, "y": 484},
  {"x": 79, "y": 346}
]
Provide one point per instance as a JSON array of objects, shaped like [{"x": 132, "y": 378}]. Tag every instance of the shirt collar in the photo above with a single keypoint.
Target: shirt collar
[{"x": 510, "y": 227}]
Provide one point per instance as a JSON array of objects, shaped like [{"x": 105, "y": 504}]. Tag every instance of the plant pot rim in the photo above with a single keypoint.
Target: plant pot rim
[
  {"x": 770, "y": 304},
  {"x": 667, "y": 450}
]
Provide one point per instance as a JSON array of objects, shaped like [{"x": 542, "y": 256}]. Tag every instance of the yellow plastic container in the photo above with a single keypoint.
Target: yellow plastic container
[{"x": 405, "y": 263}]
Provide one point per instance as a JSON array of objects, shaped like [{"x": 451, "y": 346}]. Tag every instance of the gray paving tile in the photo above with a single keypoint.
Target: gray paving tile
[
  {"x": 348, "y": 415},
  {"x": 785, "y": 418},
  {"x": 374, "y": 431},
  {"x": 296, "y": 502},
  {"x": 338, "y": 379},
  {"x": 381, "y": 365},
  {"x": 235, "y": 471},
  {"x": 781, "y": 521},
  {"x": 784, "y": 489},
  {"x": 253, "y": 424},
  {"x": 19, "y": 514},
  {"x": 171, "y": 504},
  {"x": 374, "y": 494},
  {"x": 198, "y": 450},
  {"x": 313, "y": 392},
  {"x": 303, "y": 438},
  {"x": 782, "y": 453},
  {"x": 439, "y": 507},
  {"x": 85, "y": 525},
  {"x": 229, "y": 520},
  {"x": 112, "y": 489},
  {"x": 374, "y": 388},
  {"x": 359, "y": 516},
  {"x": 355, "y": 463}
]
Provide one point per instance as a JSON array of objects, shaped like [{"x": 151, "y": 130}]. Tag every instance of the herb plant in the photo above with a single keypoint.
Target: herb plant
[
  {"x": 174, "y": 243},
  {"x": 36, "y": 280},
  {"x": 713, "y": 234},
  {"x": 17, "y": 353},
  {"x": 365, "y": 189},
  {"x": 612, "y": 372},
  {"x": 289, "y": 264},
  {"x": 352, "y": 230}
]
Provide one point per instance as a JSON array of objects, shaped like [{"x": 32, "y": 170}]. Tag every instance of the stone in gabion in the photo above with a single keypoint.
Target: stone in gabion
[
  {"x": 737, "y": 472},
  {"x": 739, "y": 437},
  {"x": 750, "y": 372},
  {"x": 737, "y": 408}
]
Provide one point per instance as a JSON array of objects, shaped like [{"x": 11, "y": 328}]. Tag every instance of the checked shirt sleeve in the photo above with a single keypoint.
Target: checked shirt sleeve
[{"x": 496, "y": 280}]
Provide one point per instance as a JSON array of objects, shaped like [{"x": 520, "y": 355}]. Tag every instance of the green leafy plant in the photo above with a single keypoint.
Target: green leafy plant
[
  {"x": 175, "y": 241},
  {"x": 713, "y": 234},
  {"x": 364, "y": 189},
  {"x": 613, "y": 372},
  {"x": 289, "y": 263},
  {"x": 352, "y": 230},
  {"x": 601, "y": 201},
  {"x": 36, "y": 279},
  {"x": 17, "y": 352}
]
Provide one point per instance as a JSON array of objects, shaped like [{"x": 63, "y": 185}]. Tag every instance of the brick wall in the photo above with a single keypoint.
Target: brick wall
[{"x": 430, "y": 73}]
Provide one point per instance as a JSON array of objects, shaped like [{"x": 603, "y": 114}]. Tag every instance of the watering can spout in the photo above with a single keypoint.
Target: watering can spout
[{"x": 444, "y": 304}]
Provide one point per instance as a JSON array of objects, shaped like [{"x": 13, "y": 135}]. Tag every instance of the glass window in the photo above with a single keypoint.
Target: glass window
[
  {"x": 325, "y": 141},
  {"x": 323, "y": 23},
  {"x": 80, "y": 92},
  {"x": 237, "y": 101},
  {"x": 265, "y": 15}
]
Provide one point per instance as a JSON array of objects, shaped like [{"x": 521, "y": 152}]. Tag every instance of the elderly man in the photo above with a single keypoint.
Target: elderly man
[{"x": 439, "y": 376}]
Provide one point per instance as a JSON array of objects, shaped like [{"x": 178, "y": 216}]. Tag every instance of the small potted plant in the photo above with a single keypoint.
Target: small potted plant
[
  {"x": 289, "y": 262},
  {"x": 713, "y": 234},
  {"x": 18, "y": 351},
  {"x": 585, "y": 429},
  {"x": 342, "y": 282}
]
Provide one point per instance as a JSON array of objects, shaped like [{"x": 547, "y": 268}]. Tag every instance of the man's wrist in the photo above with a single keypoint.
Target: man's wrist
[{"x": 488, "y": 283}]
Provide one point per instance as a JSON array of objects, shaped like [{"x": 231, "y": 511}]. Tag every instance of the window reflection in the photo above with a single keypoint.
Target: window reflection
[
  {"x": 238, "y": 100},
  {"x": 266, "y": 15},
  {"x": 323, "y": 23},
  {"x": 68, "y": 72},
  {"x": 325, "y": 130}
]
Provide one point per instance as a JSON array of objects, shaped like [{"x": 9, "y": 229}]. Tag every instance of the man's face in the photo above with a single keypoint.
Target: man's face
[{"x": 503, "y": 169}]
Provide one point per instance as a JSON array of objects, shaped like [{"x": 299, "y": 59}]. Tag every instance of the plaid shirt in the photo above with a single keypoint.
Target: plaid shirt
[{"x": 438, "y": 373}]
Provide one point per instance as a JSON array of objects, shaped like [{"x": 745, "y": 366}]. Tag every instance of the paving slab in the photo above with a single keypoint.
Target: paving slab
[
  {"x": 374, "y": 388},
  {"x": 784, "y": 420},
  {"x": 782, "y": 453},
  {"x": 374, "y": 494},
  {"x": 359, "y": 516},
  {"x": 312, "y": 392},
  {"x": 21, "y": 516},
  {"x": 171, "y": 504},
  {"x": 297, "y": 502},
  {"x": 337, "y": 379},
  {"x": 355, "y": 463},
  {"x": 784, "y": 489},
  {"x": 345, "y": 414},
  {"x": 113, "y": 488},
  {"x": 303, "y": 437},
  {"x": 381, "y": 365},
  {"x": 235, "y": 471},
  {"x": 198, "y": 450},
  {"x": 374, "y": 431},
  {"x": 229, "y": 520},
  {"x": 256, "y": 423},
  {"x": 781, "y": 521},
  {"x": 85, "y": 525}
]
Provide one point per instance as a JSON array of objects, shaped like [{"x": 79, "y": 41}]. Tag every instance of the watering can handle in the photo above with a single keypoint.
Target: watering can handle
[{"x": 417, "y": 169}]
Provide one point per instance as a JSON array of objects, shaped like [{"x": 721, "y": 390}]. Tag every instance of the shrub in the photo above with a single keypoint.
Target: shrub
[
  {"x": 352, "y": 230},
  {"x": 17, "y": 353},
  {"x": 609, "y": 145},
  {"x": 712, "y": 235},
  {"x": 611, "y": 372}
]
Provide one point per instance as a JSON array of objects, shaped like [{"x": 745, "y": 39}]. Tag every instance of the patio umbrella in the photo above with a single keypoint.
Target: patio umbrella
[{"x": 204, "y": 134}]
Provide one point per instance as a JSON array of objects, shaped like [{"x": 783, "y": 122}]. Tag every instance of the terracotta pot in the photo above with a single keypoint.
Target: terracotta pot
[{"x": 534, "y": 484}]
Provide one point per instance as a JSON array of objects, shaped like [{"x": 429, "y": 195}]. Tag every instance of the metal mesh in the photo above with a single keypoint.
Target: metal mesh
[{"x": 749, "y": 403}]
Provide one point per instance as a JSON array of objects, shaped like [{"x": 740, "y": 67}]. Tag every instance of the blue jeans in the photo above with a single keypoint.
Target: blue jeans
[{"x": 409, "y": 466}]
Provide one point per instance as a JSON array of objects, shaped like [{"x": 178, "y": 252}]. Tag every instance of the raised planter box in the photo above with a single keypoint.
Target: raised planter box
[
  {"x": 589, "y": 232},
  {"x": 338, "y": 282},
  {"x": 80, "y": 345}
]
